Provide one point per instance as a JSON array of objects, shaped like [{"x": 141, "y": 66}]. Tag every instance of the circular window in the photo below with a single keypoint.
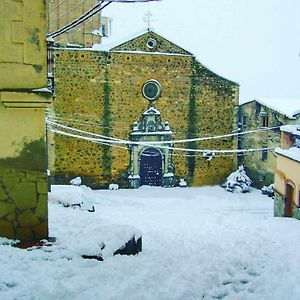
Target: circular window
[
  {"x": 151, "y": 43},
  {"x": 151, "y": 89}
]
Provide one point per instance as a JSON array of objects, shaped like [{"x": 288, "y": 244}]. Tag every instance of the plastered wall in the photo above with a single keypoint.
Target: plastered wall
[{"x": 23, "y": 162}]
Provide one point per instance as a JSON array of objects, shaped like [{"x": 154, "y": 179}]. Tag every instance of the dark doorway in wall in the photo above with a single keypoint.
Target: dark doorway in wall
[
  {"x": 151, "y": 167},
  {"x": 289, "y": 193}
]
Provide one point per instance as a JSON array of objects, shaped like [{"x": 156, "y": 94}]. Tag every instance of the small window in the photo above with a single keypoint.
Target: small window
[
  {"x": 264, "y": 119},
  {"x": 244, "y": 121},
  {"x": 151, "y": 43},
  {"x": 104, "y": 31},
  {"x": 264, "y": 154}
]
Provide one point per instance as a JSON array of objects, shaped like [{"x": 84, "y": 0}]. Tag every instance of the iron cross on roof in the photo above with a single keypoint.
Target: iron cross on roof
[{"x": 148, "y": 19}]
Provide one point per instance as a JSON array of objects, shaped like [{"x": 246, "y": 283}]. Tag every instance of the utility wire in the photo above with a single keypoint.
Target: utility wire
[
  {"x": 97, "y": 141},
  {"x": 165, "y": 142},
  {"x": 111, "y": 140}
]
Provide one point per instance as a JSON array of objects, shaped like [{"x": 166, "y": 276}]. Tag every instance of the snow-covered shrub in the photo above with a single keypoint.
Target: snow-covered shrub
[
  {"x": 182, "y": 183},
  {"x": 268, "y": 190},
  {"x": 113, "y": 187},
  {"x": 238, "y": 181},
  {"x": 76, "y": 181}
]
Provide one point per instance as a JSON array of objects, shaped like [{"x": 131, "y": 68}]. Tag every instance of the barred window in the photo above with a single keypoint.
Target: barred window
[{"x": 264, "y": 154}]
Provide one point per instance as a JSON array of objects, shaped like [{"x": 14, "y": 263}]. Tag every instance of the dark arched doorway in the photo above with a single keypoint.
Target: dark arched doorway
[
  {"x": 289, "y": 194},
  {"x": 151, "y": 167}
]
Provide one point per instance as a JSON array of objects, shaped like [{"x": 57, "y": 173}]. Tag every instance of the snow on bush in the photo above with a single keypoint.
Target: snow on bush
[
  {"x": 268, "y": 190},
  {"x": 238, "y": 181},
  {"x": 208, "y": 155},
  {"x": 76, "y": 181},
  {"x": 113, "y": 187}
]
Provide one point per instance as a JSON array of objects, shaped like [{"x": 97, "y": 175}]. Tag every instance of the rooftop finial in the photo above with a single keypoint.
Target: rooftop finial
[{"x": 148, "y": 19}]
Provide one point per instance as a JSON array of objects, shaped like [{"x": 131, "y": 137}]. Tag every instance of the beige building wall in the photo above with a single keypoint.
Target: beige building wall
[
  {"x": 287, "y": 176},
  {"x": 23, "y": 178},
  {"x": 63, "y": 12},
  {"x": 288, "y": 171}
]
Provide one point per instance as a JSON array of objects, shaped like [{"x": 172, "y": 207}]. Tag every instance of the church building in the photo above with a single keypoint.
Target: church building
[{"x": 134, "y": 115}]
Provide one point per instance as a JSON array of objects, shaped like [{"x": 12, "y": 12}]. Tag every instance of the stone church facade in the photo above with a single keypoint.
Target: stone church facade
[{"x": 151, "y": 92}]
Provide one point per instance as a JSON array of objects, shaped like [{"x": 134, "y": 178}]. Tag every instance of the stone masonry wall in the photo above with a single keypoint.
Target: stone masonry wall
[
  {"x": 216, "y": 114},
  {"x": 260, "y": 171},
  {"x": 80, "y": 84},
  {"x": 101, "y": 92},
  {"x": 23, "y": 204}
]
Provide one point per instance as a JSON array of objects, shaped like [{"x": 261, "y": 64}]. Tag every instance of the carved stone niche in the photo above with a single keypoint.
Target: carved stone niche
[{"x": 150, "y": 160}]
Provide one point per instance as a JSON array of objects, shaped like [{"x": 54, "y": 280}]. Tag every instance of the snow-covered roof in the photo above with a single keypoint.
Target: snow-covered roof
[
  {"x": 288, "y": 107},
  {"x": 111, "y": 45},
  {"x": 293, "y": 129},
  {"x": 292, "y": 153},
  {"x": 150, "y": 53},
  {"x": 107, "y": 46}
]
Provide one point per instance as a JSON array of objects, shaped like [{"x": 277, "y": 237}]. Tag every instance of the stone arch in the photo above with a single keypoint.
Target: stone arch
[{"x": 151, "y": 166}]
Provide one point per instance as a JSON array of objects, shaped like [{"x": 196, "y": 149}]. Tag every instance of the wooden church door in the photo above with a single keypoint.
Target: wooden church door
[
  {"x": 288, "y": 208},
  {"x": 151, "y": 167}
]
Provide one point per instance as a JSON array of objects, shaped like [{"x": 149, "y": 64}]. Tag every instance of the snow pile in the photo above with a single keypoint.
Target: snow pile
[
  {"x": 238, "y": 181},
  {"x": 113, "y": 187},
  {"x": 76, "y": 181},
  {"x": 268, "y": 190},
  {"x": 102, "y": 240},
  {"x": 73, "y": 196},
  {"x": 198, "y": 243},
  {"x": 182, "y": 183}
]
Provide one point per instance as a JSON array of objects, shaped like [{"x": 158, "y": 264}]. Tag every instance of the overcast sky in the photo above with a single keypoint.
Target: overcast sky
[{"x": 255, "y": 43}]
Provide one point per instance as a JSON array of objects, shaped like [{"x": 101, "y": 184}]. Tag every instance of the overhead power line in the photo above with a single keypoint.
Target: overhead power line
[
  {"x": 110, "y": 140},
  {"x": 171, "y": 141}
]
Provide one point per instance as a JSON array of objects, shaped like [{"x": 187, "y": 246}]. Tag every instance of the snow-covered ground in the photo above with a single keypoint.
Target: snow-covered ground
[{"x": 198, "y": 243}]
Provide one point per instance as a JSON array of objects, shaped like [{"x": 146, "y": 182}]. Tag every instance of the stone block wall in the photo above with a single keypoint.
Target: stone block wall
[
  {"x": 81, "y": 82},
  {"x": 101, "y": 92},
  {"x": 260, "y": 171},
  {"x": 23, "y": 204},
  {"x": 278, "y": 205},
  {"x": 23, "y": 44}
]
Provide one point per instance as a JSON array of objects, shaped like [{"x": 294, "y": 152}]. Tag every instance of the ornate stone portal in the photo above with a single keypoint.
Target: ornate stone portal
[{"x": 151, "y": 162}]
